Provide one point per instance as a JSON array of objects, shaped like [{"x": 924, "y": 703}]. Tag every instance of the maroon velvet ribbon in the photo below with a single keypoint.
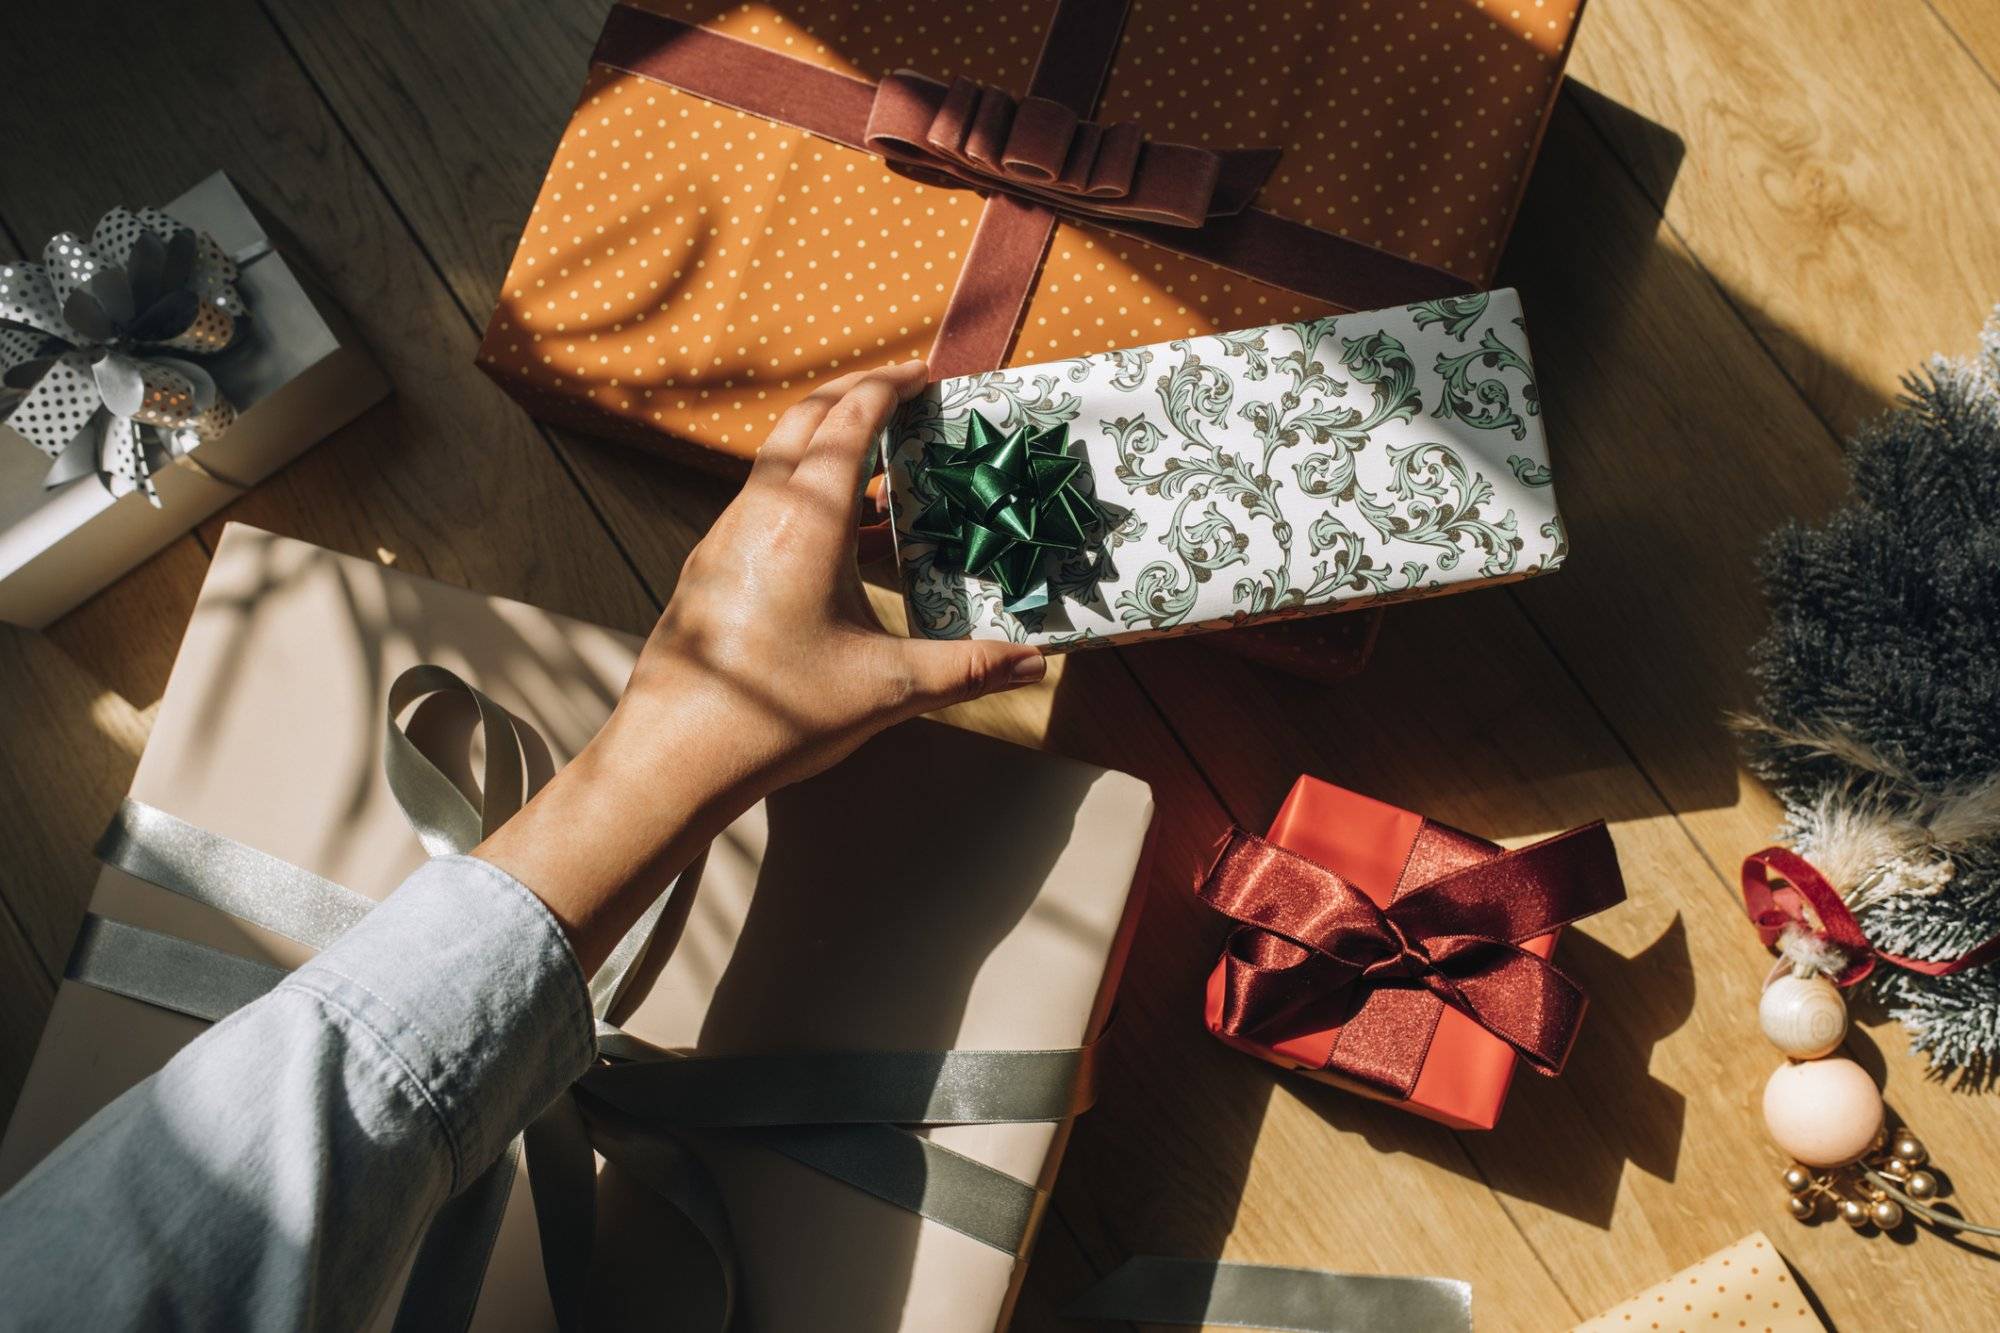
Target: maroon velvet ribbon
[
  {"x": 1782, "y": 888},
  {"x": 1308, "y": 940},
  {"x": 966, "y": 133}
]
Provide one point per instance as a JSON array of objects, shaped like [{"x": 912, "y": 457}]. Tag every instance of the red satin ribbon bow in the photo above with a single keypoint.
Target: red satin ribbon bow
[
  {"x": 1309, "y": 939},
  {"x": 1039, "y": 149},
  {"x": 1782, "y": 888}
]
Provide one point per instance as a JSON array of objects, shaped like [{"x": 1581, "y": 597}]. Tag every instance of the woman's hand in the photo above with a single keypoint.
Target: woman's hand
[
  {"x": 766, "y": 667},
  {"x": 769, "y": 642}
]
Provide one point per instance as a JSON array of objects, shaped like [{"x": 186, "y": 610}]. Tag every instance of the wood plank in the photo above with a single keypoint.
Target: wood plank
[
  {"x": 1838, "y": 183},
  {"x": 75, "y": 744},
  {"x": 28, "y": 992},
  {"x": 1975, "y": 25}
]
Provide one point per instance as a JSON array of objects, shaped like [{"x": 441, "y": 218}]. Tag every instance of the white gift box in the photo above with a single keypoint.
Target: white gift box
[
  {"x": 294, "y": 375},
  {"x": 1274, "y": 472}
]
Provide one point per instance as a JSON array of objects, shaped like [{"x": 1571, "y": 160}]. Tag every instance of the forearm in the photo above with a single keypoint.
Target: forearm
[
  {"x": 630, "y": 812},
  {"x": 278, "y": 1170}
]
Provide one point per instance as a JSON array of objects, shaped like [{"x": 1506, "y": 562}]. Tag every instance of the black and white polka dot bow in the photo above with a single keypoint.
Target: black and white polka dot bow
[{"x": 95, "y": 341}]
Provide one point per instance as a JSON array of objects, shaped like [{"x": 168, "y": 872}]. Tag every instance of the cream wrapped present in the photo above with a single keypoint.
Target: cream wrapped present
[
  {"x": 1214, "y": 481},
  {"x": 837, "y": 960}
]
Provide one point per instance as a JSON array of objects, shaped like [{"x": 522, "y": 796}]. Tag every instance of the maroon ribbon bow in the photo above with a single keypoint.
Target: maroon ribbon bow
[
  {"x": 1782, "y": 888},
  {"x": 1308, "y": 940},
  {"x": 1040, "y": 150}
]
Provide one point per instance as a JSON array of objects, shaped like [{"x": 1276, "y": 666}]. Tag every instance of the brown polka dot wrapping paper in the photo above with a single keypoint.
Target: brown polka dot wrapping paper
[
  {"x": 1746, "y": 1286},
  {"x": 690, "y": 268}
]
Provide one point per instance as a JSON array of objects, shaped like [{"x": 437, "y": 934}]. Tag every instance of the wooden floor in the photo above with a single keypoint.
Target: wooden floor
[{"x": 1747, "y": 221}]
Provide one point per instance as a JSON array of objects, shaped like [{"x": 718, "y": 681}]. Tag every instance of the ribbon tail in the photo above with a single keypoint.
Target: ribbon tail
[
  {"x": 450, "y": 1269},
  {"x": 1241, "y": 174},
  {"x": 562, "y": 1175},
  {"x": 1150, "y": 1289},
  {"x": 668, "y": 1168},
  {"x": 615, "y": 976},
  {"x": 75, "y": 460},
  {"x": 1516, "y": 996}
]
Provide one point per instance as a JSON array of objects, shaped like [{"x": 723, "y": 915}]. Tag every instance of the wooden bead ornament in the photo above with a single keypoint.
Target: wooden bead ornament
[
  {"x": 1823, "y": 1112},
  {"x": 1802, "y": 1016}
]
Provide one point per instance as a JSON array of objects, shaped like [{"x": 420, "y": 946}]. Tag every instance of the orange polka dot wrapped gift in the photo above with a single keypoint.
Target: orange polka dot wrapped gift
[{"x": 750, "y": 198}]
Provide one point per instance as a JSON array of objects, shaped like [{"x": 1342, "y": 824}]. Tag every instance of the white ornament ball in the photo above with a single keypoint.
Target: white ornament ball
[
  {"x": 1803, "y": 1016},
  {"x": 1822, "y": 1112}
]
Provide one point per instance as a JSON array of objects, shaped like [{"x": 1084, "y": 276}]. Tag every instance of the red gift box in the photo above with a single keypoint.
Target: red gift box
[{"x": 1398, "y": 957}]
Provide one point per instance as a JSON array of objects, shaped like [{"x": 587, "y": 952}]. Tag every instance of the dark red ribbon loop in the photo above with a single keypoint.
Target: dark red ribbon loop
[
  {"x": 1782, "y": 888},
  {"x": 1040, "y": 150},
  {"x": 1309, "y": 939}
]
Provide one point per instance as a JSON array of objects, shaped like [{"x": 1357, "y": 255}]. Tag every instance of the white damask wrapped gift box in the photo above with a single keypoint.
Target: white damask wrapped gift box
[{"x": 1213, "y": 481}]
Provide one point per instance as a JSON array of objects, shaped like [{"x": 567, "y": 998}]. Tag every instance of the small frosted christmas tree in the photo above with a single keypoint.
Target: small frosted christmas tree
[{"x": 1879, "y": 718}]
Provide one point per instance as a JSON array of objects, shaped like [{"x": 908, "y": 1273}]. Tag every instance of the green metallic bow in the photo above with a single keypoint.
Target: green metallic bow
[{"x": 1004, "y": 501}]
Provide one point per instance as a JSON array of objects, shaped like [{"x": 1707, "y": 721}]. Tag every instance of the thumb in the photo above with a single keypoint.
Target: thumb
[{"x": 951, "y": 671}]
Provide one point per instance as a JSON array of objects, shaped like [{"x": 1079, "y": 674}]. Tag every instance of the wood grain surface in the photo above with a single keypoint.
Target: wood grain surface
[{"x": 1748, "y": 221}]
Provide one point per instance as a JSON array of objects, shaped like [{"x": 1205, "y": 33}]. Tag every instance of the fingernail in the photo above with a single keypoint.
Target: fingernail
[{"x": 1027, "y": 670}]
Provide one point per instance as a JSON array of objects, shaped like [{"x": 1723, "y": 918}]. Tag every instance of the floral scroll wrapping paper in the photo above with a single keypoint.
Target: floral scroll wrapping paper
[
  {"x": 294, "y": 373},
  {"x": 1306, "y": 467},
  {"x": 688, "y": 268}
]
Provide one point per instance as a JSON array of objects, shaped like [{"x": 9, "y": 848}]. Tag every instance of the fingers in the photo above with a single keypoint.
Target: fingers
[
  {"x": 787, "y": 442},
  {"x": 836, "y": 460},
  {"x": 946, "y": 672}
]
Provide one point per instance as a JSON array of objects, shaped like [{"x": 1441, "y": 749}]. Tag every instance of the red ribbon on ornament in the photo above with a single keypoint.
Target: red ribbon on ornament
[{"x": 1782, "y": 888}]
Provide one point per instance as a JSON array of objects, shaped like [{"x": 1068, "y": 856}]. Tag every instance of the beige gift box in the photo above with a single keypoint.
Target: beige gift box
[
  {"x": 296, "y": 375},
  {"x": 938, "y": 889}
]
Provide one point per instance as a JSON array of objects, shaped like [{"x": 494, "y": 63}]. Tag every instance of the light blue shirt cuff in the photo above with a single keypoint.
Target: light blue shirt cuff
[{"x": 467, "y": 981}]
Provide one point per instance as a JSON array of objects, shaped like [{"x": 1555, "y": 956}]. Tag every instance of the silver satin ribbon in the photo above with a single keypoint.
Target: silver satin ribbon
[
  {"x": 166, "y": 972},
  {"x": 1153, "y": 1290},
  {"x": 150, "y": 844},
  {"x": 838, "y": 1112}
]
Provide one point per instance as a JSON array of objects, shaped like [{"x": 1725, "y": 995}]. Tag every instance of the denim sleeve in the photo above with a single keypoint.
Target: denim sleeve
[{"x": 278, "y": 1172}]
